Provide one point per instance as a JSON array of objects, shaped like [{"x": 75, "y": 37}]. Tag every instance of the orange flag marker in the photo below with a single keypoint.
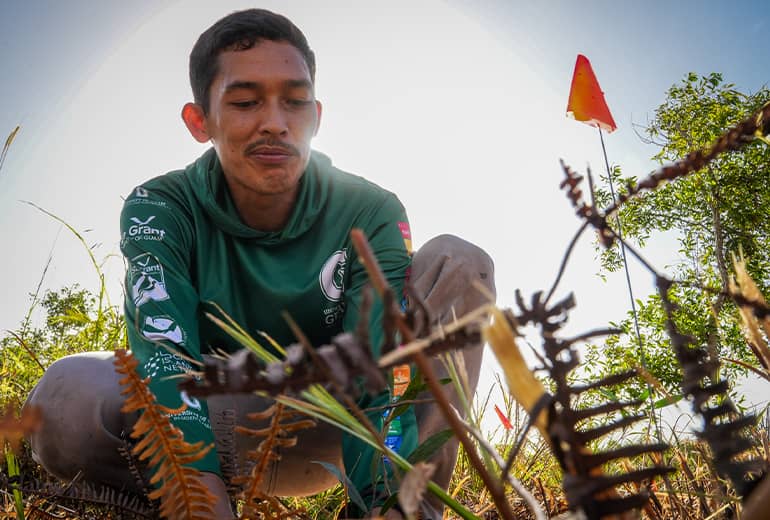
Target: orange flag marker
[
  {"x": 503, "y": 419},
  {"x": 586, "y": 99}
]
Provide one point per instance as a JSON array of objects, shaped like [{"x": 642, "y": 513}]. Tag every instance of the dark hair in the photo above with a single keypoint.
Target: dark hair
[{"x": 240, "y": 31}]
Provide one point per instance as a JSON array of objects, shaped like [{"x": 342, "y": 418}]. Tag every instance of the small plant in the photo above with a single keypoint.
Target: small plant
[{"x": 278, "y": 434}]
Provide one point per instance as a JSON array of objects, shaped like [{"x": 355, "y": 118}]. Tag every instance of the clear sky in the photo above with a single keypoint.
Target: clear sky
[{"x": 457, "y": 106}]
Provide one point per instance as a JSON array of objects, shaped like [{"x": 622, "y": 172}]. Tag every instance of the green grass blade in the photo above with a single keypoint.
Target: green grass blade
[
  {"x": 353, "y": 493},
  {"x": 13, "y": 471},
  {"x": 244, "y": 339},
  {"x": 324, "y": 407},
  {"x": 103, "y": 295}
]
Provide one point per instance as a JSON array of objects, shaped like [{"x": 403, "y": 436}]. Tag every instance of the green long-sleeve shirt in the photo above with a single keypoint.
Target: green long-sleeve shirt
[{"x": 187, "y": 249}]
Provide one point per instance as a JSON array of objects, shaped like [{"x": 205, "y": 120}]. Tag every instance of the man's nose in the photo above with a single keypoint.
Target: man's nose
[{"x": 274, "y": 120}]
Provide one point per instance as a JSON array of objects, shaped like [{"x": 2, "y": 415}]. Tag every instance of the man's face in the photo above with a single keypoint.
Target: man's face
[{"x": 262, "y": 116}]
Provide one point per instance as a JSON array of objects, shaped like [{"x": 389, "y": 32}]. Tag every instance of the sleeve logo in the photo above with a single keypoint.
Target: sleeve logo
[
  {"x": 146, "y": 280},
  {"x": 332, "y": 275},
  {"x": 164, "y": 363},
  {"x": 163, "y": 327},
  {"x": 140, "y": 222},
  {"x": 142, "y": 230},
  {"x": 142, "y": 196},
  {"x": 191, "y": 402}
]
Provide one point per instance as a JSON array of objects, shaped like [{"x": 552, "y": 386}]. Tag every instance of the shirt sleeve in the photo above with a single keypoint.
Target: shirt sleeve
[
  {"x": 161, "y": 307},
  {"x": 389, "y": 237}
]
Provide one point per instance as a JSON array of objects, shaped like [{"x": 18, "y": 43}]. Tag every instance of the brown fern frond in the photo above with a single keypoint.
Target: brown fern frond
[
  {"x": 726, "y": 429},
  {"x": 743, "y": 285},
  {"x": 125, "y": 505},
  {"x": 571, "y": 184},
  {"x": 278, "y": 434},
  {"x": 347, "y": 356},
  {"x": 755, "y": 126},
  {"x": 587, "y": 483},
  {"x": 134, "y": 466},
  {"x": 13, "y": 429},
  {"x": 180, "y": 491}
]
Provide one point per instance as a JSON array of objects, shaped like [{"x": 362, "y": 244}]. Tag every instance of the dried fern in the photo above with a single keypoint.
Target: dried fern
[
  {"x": 278, "y": 434},
  {"x": 125, "y": 505},
  {"x": 134, "y": 467},
  {"x": 180, "y": 491},
  {"x": 13, "y": 429},
  {"x": 754, "y": 327},
  {"x": 725, "y": 427},
  {"x": 588, "y": 483}
]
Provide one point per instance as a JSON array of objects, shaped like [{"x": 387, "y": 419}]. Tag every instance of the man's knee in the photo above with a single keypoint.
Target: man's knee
[
  {"x": 452, "y": 276},
  {"x": 79, "y": 397}
]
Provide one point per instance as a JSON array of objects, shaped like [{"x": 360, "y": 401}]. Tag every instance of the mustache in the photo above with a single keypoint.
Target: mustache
[{"x": 271, "y": 143}]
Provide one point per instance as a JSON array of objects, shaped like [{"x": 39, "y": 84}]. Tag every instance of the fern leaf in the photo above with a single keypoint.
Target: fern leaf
[
  {"x": 181, "y": 494},
  {"x": 278, "y": 434}
]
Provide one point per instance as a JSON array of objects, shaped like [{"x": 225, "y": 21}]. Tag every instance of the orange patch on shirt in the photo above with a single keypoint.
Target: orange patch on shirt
[{"x": 401, "y": 377}]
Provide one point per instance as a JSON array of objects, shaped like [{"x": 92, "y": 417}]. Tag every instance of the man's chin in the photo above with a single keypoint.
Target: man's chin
[{"x": 277, "y": 183}]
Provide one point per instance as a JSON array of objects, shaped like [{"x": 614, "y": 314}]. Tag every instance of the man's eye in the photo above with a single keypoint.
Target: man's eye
[
  {"x": 244, "y": 104},
  {"x": 298, "y": 102}
]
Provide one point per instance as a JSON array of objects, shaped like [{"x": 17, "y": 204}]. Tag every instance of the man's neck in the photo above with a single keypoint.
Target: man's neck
[{"x": 264, "y": 212}]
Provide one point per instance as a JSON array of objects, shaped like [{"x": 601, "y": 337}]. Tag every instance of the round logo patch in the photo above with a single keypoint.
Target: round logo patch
[{"x": 332, "y": 276}]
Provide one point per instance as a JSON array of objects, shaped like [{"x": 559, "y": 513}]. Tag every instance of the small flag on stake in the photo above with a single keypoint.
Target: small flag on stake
[
  {"x": 503, "y": 419},
  {"x": 586, "y": 99}
]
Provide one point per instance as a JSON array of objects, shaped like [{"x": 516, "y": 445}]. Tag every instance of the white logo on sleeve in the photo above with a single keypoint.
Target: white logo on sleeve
[
  {"x": 141, "y": 230},
  {"x": 145, "y": 276},
  {"x": 332, "y": 275},
  {"x": 191, "y": 402},
  {"x": 141, "y": 192},
  {"x": 163, "y": 363},
  {"x": 139, "y": 222},
  {"x": 162, "y": 327}
]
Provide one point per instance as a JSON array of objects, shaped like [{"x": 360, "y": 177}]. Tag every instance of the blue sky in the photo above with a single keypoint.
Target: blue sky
[
  {"x": 457, "y": 106},
  {"x": 638, "y": 48},
  {"x": 50, "y": 48}
]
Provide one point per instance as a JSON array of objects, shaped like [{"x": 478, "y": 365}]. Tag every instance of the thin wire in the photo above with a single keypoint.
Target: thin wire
[{"x": 630, "y": 288}]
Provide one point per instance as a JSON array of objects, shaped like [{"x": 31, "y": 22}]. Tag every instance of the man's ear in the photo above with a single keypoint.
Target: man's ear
[
  {"x": 319, "y": 110},
  {"x": 195, "y": 120}
]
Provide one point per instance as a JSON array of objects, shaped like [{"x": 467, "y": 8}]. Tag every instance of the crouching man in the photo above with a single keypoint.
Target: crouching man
[{"x": 258, "y": 225}]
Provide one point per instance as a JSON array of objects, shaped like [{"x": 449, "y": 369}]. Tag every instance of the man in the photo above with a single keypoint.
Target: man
[{"x": 258, "y": 225}]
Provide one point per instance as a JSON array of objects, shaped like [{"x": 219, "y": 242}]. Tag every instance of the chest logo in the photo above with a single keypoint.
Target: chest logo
[{"x": 332, "y": 275}]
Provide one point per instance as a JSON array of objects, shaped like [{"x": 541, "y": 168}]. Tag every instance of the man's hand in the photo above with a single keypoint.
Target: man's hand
[{"x": 217, "y": 487}]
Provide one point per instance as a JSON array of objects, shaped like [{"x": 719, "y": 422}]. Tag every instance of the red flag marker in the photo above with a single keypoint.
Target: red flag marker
[
  {"x": 503, "y": 419},
  {"x": 586, "y": 99},
  {"x": 586, "y": 103}
]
